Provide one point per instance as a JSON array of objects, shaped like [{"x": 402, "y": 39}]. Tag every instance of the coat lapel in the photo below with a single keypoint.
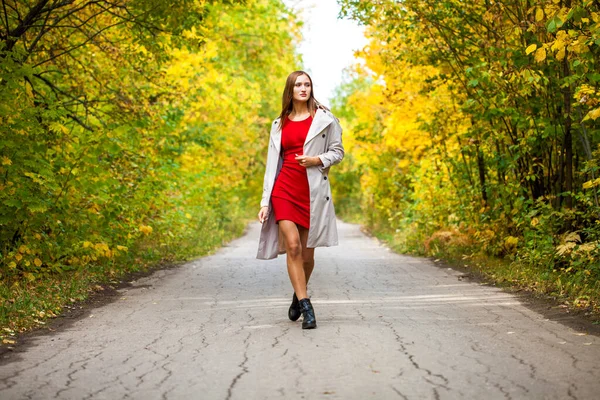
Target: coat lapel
[{"x": 320, "y": 122}]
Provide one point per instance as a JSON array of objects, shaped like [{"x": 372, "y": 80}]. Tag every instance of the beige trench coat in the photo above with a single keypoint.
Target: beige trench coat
[{"x": 324, "y": 140}]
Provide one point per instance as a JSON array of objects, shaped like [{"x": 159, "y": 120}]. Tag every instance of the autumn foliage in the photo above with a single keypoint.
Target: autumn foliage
[
  {"x": 131, "y": 132},
  {"x": 474, "y": 128}
]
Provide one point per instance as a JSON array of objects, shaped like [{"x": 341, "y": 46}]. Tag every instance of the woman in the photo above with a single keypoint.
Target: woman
[{"x": 296, "y": 211}]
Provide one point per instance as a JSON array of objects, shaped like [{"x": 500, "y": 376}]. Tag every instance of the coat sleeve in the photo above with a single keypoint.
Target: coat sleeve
[
  {"x": 335, "y": 148},
  {"x": 270, "y": 169}
]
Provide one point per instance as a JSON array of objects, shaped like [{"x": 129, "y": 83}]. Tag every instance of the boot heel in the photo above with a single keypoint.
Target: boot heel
[{"x": 294, "y": 311}]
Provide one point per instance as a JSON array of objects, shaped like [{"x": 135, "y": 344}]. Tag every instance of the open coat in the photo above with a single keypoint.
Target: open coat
[{"x": 324, "y": 140}]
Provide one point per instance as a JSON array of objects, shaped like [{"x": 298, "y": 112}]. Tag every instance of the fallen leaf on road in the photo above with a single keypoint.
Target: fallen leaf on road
[
  {"x": 587, "y": 344},
  {"x": 8, "y": 341},
  {"x": 562, "y": 342},
  {"x": 510, "y": 333},
  {"x": 579, "y": 333}
]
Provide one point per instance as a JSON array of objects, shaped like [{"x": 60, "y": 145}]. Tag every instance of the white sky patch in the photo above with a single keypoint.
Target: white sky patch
[{"x": 328, "y": 43}]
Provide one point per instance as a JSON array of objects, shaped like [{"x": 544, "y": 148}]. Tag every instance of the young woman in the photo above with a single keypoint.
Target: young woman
[{"x": 297, "y": 211}]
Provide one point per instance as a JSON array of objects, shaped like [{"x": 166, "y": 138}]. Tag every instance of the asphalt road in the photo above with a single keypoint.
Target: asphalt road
[{"x": 389, "y": 327}]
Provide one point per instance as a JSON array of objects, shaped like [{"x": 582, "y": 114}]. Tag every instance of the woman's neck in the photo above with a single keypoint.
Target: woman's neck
[{"x": 299, "y": 108}]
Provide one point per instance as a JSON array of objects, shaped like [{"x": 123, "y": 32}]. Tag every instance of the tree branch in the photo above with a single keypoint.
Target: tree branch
[
  {"x": 14, "y": 35},
  {"x": 79, "y": 45}
]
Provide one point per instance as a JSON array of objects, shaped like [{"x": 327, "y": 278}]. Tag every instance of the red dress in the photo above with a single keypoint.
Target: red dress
[{"x": 291, "y": 195}]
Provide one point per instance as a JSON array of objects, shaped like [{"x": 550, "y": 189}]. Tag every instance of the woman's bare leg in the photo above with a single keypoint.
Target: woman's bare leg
[
  {"x": 293, "y": 249},
  {"x": 308, "y": 255}
]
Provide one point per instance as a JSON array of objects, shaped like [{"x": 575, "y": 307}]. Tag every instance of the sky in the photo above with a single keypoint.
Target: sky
[{"x": 328, "y": 43}]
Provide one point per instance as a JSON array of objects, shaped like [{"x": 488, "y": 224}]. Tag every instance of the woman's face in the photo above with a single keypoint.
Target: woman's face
[{"x": 302, "y": 88}]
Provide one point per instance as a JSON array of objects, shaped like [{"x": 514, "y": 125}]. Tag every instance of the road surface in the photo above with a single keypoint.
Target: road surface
[{"x": 389, "y": 327}]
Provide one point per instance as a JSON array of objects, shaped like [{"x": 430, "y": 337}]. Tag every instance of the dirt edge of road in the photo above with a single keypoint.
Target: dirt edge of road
[
  {"x": 580, "y": 320},
  {"x": 550, "y": 307},
  {"x": 82, "y": 309},
  {"x": 77, "y": 311}
]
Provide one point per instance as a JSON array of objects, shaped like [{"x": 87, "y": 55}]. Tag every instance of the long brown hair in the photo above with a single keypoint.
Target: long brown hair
[{"x": 288, "y": 95}]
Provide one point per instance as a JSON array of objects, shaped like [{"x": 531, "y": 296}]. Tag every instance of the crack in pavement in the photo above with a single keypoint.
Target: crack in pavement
[{"x": 244, "y": 371}]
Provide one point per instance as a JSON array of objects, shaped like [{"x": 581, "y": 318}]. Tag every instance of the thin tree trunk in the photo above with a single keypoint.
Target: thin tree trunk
[
  {"x": 481, "y": 168},
  {"x": 568, "y": 142}
]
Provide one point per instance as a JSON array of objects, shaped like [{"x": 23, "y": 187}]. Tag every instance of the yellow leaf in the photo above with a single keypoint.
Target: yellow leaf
[
  {"x": 591, "y": 183},
  {"x": 12, "y": 265},
  {"x": 540, "y": 54},
  {"x": 531, "y": 48},
  {"x": 122, "y": 248},
  {"x": 6, "y": 161},
  {"x": 561, "y": 54},
  {"x": 539, "y": 15},
  {"x": 146, "y": 229},
  {"x": 511, "y": 241},
  {"x": 37, "y": 262},
  {"x": 38, "y": 236},
  {"x": 8, "y": 341},
  {"x": 595, "y": 113},
  {"x": 18, "y": 257},
  {"x": 535, "y": 222},
  {"x": 29, "y": 276},
  {"x": 101, "y": 247}
]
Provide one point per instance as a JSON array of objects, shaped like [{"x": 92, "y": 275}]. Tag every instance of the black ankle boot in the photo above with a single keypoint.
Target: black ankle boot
[
  {"x": 294, "y": 311},
  {"x": 308, "y": 321}
]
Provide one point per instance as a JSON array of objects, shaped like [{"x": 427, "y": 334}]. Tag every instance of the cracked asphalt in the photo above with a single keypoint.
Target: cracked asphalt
[{"x": 389, "y": 326}]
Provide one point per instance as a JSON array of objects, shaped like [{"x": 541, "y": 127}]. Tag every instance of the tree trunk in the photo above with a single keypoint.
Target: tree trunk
[{"x": 481, "y": 168}]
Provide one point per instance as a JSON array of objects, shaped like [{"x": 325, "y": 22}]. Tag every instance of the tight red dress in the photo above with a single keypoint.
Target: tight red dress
[{"x": 291, "y": 196}]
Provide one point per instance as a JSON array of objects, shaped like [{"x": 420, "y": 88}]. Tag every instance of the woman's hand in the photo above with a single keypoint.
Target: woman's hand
[
  {"x": 308, "y": 161},
  {"x": 263, "y": 214}
]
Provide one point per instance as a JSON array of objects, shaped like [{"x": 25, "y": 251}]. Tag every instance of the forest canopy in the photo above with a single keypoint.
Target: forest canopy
[{"x": 132, "y": 132}]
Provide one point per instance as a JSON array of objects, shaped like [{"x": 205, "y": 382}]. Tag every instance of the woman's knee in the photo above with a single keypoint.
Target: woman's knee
[{"x": 294, "y": 249}]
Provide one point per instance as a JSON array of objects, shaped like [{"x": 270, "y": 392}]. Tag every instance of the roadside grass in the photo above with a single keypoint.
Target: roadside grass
[{"x": 27, "y": 305}]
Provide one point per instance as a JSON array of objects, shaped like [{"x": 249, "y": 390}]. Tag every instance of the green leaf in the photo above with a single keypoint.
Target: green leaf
[{"x": 554, "y": 24}]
